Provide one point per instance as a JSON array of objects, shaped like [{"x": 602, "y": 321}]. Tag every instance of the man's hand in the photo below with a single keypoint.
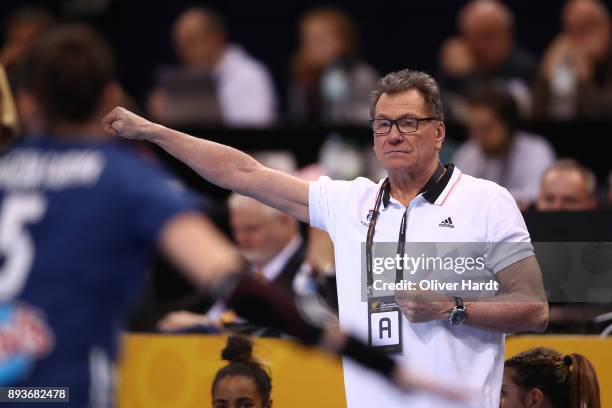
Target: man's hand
[
  {"x": 421, "y": 306},
  {"x": 122, "y": 122}
]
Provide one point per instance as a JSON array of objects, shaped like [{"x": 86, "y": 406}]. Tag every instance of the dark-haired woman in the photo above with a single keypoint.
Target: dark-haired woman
[
  {"x": 543, "y": 378},
  {"x": 243, "y": 383}
]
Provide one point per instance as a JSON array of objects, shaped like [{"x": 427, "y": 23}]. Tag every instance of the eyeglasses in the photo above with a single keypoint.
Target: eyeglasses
[{"x": 404, "y": 125}]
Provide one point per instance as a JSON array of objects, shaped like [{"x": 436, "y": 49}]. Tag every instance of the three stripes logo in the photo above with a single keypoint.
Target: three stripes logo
[{"x": 448, "y": 223}]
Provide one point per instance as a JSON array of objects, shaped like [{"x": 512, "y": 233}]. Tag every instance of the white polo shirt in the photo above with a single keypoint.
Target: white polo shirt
[{"x": 480, "y": 211}]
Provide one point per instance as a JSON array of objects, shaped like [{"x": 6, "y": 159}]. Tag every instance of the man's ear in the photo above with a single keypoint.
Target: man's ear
[{"x": 440, "y": 134}]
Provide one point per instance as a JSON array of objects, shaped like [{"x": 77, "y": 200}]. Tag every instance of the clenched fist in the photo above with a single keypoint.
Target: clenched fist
[{"x": 122, "y": 122}]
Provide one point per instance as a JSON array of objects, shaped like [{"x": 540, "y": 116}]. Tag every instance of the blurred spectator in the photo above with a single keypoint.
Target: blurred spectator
[
  {"x": 498, "y": 150},
  {"x": 576, "y": 71},
  {"x": 541, "y": 378},
  {"x": 243, "y": 382},
  {"x": 567, "y": 186},
  {"x": 485, "y": 52},
  {"x": 269, "y": 240},
  {"x": 217, "y": 81},
  {"x": 21, "y": 28},
  {"x": 328, "y": 80}
]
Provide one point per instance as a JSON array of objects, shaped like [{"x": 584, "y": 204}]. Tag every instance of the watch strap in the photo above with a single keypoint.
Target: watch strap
[{"x": 459, "y": 302}]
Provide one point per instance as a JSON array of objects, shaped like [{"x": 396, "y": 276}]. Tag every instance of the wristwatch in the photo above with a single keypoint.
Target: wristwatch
[{"x": 458, "y": 314}]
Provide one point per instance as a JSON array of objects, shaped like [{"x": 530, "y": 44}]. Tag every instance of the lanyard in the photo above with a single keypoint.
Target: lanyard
[{"x": 401, "y": 241}]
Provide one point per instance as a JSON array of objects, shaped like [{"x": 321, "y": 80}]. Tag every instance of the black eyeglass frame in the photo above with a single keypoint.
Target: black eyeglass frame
[{"x": 394, "y": 122}]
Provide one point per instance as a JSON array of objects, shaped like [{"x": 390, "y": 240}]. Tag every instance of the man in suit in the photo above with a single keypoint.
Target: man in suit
[
  {"x": 269, "y": 239},
  {"x": 272, "y": 244}
]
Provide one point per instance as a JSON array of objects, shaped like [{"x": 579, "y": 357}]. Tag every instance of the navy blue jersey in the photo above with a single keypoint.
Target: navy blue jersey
[{"x": 79, "y": 225}]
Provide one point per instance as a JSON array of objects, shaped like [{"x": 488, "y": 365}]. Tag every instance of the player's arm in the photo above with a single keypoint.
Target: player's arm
[
  {"x": 198, "y": 249},
  {"x": 195, "y": 245},
  {"x": 221, "y": 165}
]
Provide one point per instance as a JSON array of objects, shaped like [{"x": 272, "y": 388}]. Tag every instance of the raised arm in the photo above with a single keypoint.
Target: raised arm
[{"x": 221, "y": 165}]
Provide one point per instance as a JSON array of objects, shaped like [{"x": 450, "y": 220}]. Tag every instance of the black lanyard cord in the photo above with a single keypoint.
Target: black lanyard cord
[
  {"x": 401, "y": 241},
  {"x": 370, "y": 236}
]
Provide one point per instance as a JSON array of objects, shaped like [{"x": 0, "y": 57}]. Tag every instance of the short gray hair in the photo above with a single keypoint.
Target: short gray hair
[
  {"x": 405, "y": 80},
  {"x": 587, "y": 174},
  {"x": 237, "y": 202}
]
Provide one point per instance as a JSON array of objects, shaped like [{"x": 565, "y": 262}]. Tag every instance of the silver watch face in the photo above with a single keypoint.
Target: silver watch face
[{"x": 457, "y": 316}]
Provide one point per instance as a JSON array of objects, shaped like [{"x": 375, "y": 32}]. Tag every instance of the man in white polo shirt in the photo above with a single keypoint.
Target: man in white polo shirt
[{"x": 421, "y": 201}]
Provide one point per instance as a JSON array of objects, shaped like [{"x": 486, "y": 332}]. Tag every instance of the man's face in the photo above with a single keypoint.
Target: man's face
[
  {"x": 195, "y": 42},
  {"x": 587, "y": 29},
  {"x": 260, "y": 236},
  {"x": 321, "y": 41},
  {"x": 488, "y": 38},
  {"x": 407, "y": 152},
  {"x": 487, "y": 130},
  {"x": 564, "y": 190}
]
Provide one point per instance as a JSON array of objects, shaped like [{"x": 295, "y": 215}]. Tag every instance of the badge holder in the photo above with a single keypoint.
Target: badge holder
[{"x": 385, "y": 324}]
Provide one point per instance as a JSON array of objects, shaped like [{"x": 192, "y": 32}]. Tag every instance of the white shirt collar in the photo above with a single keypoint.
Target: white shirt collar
[
  {"x": 441, "y": 198},
  {"x": 272, "y": 269}
]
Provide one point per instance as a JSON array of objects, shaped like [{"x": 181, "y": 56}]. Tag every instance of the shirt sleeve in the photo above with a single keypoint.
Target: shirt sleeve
[
  {"x": 318, "y": 205},
  {"x": 325, "y": 200},
  {"x": 508, "y": 240}
]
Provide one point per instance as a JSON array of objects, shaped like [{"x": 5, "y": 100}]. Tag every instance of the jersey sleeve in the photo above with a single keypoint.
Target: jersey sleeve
[
  {"x": 508, "y": 240},
  {"x": 154, "y": 197}
]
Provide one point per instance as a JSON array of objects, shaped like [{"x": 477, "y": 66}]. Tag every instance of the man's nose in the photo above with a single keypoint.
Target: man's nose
[{"x": 395, "y": 136}]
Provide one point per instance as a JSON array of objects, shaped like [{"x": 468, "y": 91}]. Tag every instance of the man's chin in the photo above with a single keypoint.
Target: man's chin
[{"x": 399, "y": 166}]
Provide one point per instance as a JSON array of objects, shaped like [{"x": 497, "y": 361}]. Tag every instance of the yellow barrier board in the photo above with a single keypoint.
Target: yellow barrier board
[{"x": 177, "y": 371}]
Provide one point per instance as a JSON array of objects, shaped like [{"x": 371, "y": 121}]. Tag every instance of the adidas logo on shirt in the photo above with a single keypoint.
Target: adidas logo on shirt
[{"x": 448, "y": 223}]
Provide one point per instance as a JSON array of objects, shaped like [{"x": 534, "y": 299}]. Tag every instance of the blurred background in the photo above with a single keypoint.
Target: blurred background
[
  {"x": 392, "y": 36},
  {"x": 527, "y": 88}
]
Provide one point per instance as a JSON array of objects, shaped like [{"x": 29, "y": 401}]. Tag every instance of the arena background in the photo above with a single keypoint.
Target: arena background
[{"x": 393, "y": 35}]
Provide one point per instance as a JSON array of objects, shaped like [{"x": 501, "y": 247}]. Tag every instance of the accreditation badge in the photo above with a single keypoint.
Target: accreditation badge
[{"x": 384, "y": 324}]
